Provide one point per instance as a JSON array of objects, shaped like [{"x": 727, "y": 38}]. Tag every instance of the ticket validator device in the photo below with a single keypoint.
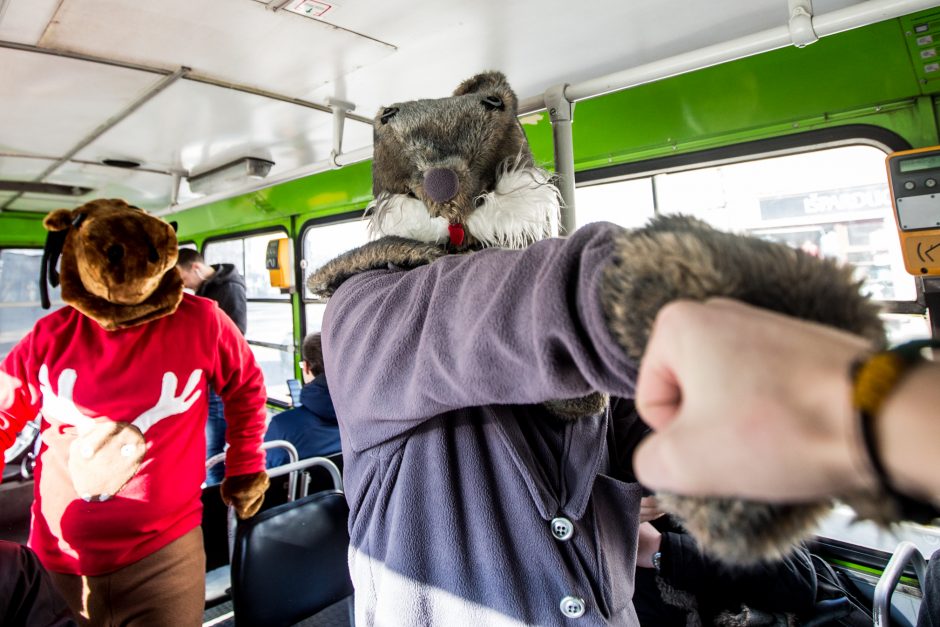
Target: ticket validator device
[
  {"x": 277, "y": 261},
  {"x": 914, "y": 179}
]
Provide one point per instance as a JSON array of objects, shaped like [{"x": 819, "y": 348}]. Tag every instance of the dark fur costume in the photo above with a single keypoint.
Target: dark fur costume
[
  {"x": 474, "y": 135},
  {"x": 680, "y": 257},
  {"x": 118, "y": 267}
]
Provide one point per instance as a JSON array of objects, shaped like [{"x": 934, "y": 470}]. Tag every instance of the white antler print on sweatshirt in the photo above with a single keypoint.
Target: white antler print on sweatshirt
[
  {"x": 61, "y": 406},
  {"x": 106, "y": 454},
  {"x": 169, "y": 404}
]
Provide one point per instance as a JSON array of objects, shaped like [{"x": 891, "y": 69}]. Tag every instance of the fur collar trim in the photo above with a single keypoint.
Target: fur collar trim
[
  {"x": 392, "y": 251},
  {"x": 523, "y": 208}
]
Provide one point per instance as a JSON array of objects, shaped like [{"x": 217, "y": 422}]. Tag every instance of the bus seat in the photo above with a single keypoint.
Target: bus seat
[
  {"x": 290, "y": 561},
  {"x": 215, "y": 520}
]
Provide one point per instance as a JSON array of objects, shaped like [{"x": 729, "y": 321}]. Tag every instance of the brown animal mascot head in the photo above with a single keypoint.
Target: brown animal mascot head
[
  {"x": 459, "y": 170},
  {"x": 117, "y": 263}
]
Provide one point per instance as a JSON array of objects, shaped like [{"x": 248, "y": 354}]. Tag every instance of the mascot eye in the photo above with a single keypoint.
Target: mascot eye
[
  {"x": 388, "y": 114},
  {"x": 411, "y": 194},
  {"x": 493, "y": 103}
]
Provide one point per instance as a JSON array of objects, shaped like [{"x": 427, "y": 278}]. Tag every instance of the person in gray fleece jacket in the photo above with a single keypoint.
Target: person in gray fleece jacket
[
  {"x": 471, "y": 381},
  {"x": 472, "y": 502}
]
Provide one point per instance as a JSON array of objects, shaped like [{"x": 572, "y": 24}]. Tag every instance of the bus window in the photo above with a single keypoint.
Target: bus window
[
  {"x": 627, "y": 203},
  {"x": 19, "y": 295},
  {"x": 270, "y": 319},
  {"x": 322, "y": 243},
  {"x": 831, "y": 202}
]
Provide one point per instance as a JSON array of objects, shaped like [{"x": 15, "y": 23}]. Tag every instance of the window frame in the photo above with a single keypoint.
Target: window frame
[{"x": 300, "y": 262}]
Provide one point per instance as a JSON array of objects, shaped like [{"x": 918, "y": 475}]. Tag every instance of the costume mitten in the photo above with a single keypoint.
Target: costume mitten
[
  {"x": 681, "y": 257},
  {"x": 245, "y": 493}
]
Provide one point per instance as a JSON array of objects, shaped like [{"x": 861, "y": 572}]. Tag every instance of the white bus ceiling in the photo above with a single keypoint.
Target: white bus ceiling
[{"x": 183, "y": 86}]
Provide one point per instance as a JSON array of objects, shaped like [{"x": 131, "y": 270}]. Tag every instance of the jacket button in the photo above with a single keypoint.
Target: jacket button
[
  {"x": 572, "y": 607},
  {"x": 562, "y": 528}
]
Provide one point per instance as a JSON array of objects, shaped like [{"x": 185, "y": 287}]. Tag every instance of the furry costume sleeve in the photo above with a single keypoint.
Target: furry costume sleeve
[
  {"x": 491, "y": 327},
  {"x": 19, "y": 394}
]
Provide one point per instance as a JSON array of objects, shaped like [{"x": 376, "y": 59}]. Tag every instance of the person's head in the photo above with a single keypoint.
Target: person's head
[
  {"x": 311, "y": 357},
  {"x": 192, "y": 267}
]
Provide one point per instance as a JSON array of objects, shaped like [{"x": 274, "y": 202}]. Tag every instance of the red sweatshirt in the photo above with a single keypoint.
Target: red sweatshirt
[{"x": 108, "y": 494}]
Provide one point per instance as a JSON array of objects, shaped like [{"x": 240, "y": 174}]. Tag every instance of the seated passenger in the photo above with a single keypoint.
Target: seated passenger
[
  {"x": 929, "y": 615},
  {"x": 677, "y": 584},
  {"x": 312, "y": 427}
]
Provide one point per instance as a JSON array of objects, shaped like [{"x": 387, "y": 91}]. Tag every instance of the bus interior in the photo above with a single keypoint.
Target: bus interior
[{"x": 249, "y": 122}]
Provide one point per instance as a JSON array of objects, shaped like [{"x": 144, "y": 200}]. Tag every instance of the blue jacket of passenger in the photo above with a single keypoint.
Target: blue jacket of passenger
[{"x": 311, "y": 427}]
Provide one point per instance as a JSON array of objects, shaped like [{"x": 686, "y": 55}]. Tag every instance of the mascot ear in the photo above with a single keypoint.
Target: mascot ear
[
  {"x": 58, "y": 220},
  {"x": 175, "y": 226},
  {"x": 483, "y": 82}
]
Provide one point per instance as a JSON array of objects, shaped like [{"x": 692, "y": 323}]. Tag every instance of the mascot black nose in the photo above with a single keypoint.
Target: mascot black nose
[
  {"x": 440, "y": 184},
  {"x": 115, "y": 253}
]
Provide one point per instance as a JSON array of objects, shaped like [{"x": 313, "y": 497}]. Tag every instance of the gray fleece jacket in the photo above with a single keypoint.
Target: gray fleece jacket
[{"x": 455, "y": 473}]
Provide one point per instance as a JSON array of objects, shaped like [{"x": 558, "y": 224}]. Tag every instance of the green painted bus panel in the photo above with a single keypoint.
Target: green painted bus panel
[
  {"x": 21, "y": 229},
  {"x": 748, "y": 99},
  {"x": 922, "y": 32},
  {"x": 327, "y": 193}
]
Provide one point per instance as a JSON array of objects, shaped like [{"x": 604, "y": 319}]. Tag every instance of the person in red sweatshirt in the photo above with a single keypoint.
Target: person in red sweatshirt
[{"x": 120, "y": 376}]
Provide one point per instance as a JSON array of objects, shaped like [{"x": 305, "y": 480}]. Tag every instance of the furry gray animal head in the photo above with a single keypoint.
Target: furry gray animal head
[
  {"x": 681, "y": 257},
  {"x": 459, "y": 169}
]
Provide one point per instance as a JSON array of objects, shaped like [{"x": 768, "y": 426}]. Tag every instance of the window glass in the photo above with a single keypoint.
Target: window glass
[
  {"x": 248, "y": 255},
  {"x": 324, "y": 242},
  {"x": 831, "y": 203},
  {"x": 19, "y": 295},
  {"x": 271, "y": 323},
  {"x": 226, "y": 251},
  {"x": 278, "y": 367},
  {"x": 314, "y": 316},
  {"x": 626, "y": 203},
  {"x": 270, "y": 332}
]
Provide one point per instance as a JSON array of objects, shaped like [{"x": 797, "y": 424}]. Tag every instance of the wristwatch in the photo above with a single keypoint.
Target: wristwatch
[{"x": 657, "y": 557}]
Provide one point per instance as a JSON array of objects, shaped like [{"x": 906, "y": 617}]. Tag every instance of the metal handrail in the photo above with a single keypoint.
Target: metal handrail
[
  {"x": 293, "y": 469},
  {"x": 904, "y": 553},
  {"x": 292, "y": 455},
  {"x": 303, "y": 464}
]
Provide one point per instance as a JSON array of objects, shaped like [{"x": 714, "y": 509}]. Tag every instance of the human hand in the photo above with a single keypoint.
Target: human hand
[
  {"x": 648, "y": 542},
  {"x": 746, "y": 402},
  {"x": 649, "y": 509}
]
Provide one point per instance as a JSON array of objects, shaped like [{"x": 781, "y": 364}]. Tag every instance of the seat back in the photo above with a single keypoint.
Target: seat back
[{"x": 290, "y": 561}]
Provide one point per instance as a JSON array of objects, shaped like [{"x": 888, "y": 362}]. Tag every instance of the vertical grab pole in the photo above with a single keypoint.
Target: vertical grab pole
[{"x": 561, "y": 112}]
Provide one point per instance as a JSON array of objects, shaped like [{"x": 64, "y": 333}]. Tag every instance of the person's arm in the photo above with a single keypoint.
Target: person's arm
[
  {"x": 240, "y": 383},
  {"x": 491, "y": 327},
  {"x": 774, "y": 395},
  {"x": 20, "y": 399}
]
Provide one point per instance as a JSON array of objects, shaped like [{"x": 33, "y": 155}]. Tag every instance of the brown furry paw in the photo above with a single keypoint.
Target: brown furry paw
[
  {"x": 245, "y": 493},
  {"x": 744, "y": 532}
]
